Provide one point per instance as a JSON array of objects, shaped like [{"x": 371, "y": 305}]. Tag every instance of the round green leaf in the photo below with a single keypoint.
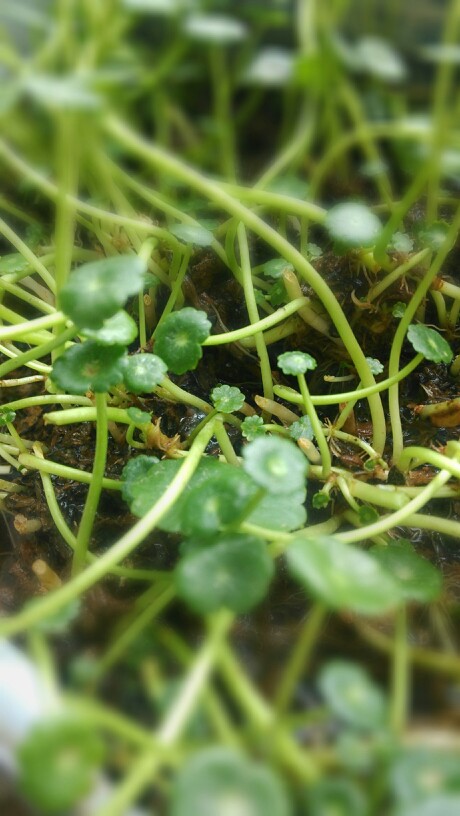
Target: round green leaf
[
  {"x": 62, "y": 92},
  {"x": 179, "y": 337},
  {"x": 227, "y": 398},
  {"x": 58, "y": 762},
  {"x": 284, "y": 512},
  {"x": 378, "y": 58},
  {"x": 6, "y": 416},
  {"x": 190, "y": 234},
  {"x": 417, "y": 578},
  {"x": 234, "y": 573},
  {"x": 433, "y": 235},
  {"x": 375, "y": 365},
  {"x": 424, "y": 774},
  {"x": 429, "y": 343},
  {"x": 275, "y": 268},
  {"x": 336, "y": 797},
  {"x": 120, "y": 329},
  {"x": 272, "y": 66},
  {"x": 352, "y": 696},
  {"x": 89, "y": 366},
  {"x": 97, "y": 290},
  {"x": 401, "y": 242},
  {"x": 399, "y": 309},
  {"x": 143, "y": 372},
  {"x": 443, "y": 804},
  {"x": 220, "y": 782},
  {"x": 215, "y": 28},
  {"x": 10, "y": 264},
  {"x": 352, "y": 225},
  {"x": 301, "y": 429},
  {"x": 252, "y": 427},
  {"x": 275, "y": 464},
  {"x": 296, "y": 362},
  {"x": 216, "y": 502},
  {"x": 342, "y": 576},
  {"x": 138, "y": 417},
  {"x": 135, "y": 471}
]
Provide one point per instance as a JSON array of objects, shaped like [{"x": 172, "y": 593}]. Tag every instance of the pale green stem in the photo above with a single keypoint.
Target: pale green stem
[
  {"x": 297, "y": 663},
  {"x": 401, "y": 678}
]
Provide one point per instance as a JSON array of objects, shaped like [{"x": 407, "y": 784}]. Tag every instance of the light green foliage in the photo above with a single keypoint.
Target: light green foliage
[
  {"x": 418, "y": 579},
  {"x": 97, "y": 290},
  {"x": 89, "y": 366},
  {"x": 375, "y": 366},
  {"x": 138, "y": 417},
  {"x": 336, "y": 796},
  {"x": 120, "y": 329},
  {"x": 190, "y": 234},
  {"x": 143, "y": 372},
  {"x": 6, "y": 416},
  {"x": 352, "y": 226},
  {"x": 57, "y": 763},
  {"x": 275, "y": 268},
  {"x": 433, "y": 235},
  {"x": 216, "y": 503},
  {"x": 252, "y": 427},
  {"x": 227, "y": 398},
  {"x": 296, "y": 362},
  {"x": 352, "y": 696},
  {"x": 275, "y": 464},
  {"x": 423, "y": 780},
  {"x": 301, "y": 429},
  {"x": 341, "y": 576},
  {"x": 179, "y": 337},
  {"x": 220, "y": 781},
  {"x": 429, "y": 343},
  {"x": 234, "y": 572}
]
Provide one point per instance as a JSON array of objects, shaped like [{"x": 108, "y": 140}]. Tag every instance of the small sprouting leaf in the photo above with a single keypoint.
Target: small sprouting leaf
[
  {"x": 58, "y": 762},
  {"x": 6, "y": 416},
  {"x": 234, "y": 573},
  {"x": 9, "y": 264},
  {"x": 278, "y": 293},
  {"x": 89, "y": 366},
  {"x": 135, "y": 471},
  {"x": 97, "y": 290},
  {"x": 352, "y": 225},
  {"x": 143, "y": 372},
  {"x": 219, "y": 780},
  {"x": 399, "y": 309},
  {"x": 314, "y": 251},
  {"x": 434, "y": 235},
  {"x": 275, "y": 464},
  {"x": 401, "y": 242},
  {"x": 352, "y": 696},
  {"x": 271, "y": 66},
  {"x": 343, "y": 577},
  {"x": 216, "y": 503},
  {"x": 190, "y": 234},
  {"x": 283, "y": 512},
  {"x": 138, "y": 417},
  {"x": 426, "y": 774},
  {"x": 429, "y": 343},
  {"x": 275, "y": 268},
  {"x": 252, "y": 427},
  {"x": 296, "y": 362},
  {"x": 417, "y": 578},
  {"x": 179, "y": 337},
  {"x": 120, "y": 329},
  {"x": 215, "y": 28},
  {"x": 368, "y": 514},
  {"x": 336, "y": 796},
  {"x": 227, "y": 398},
  {"x": 301, "y": 429},
  {"x": 375, "y": 365},
  {"x": 320, "y": 500}
]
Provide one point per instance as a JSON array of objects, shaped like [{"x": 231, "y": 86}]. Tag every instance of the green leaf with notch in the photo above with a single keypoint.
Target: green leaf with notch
[
  {"x": 179, "y": 337},
  {"x": 143, "y": 372},
  {"x": 227, "y": 398},
  {"x": 89, "y": 366},
  {"x": 417, "y": 578},
  {"x": 342, "y": 576},
  {"x": 252, "y": 427},
  {"x": 216, "y": 503},
  {"x": 190, "y": 234},
  {"x": 296, "y": 362},
  {"x": 301, "y": 429},
  {"x": 98, "y": 290},
  {"x": 275, "y": 268},
  {"x": 429, "y": 343},
  {"x": 275, "y": 464},
  {"x": 352, "y": 696},
  {"x": 120, "y": 329},
  {"x": 234, "y": 573},
  {"x": 139, "y": 417}
]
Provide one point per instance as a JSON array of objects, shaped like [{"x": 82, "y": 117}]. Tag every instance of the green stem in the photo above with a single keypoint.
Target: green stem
[
  {"x": 37, "y": 352},
  {"x": 41, "y": 608},
  {"x": 168, "y": 163},
  {"x": 258, "y": 326},
  {"x": 298, "y": 659},
  {"x": 64, "y": 471},
  {"x": 401, "y": 679},
  {"x": 95, "y": 487},
  {"x": 316, "y": 425}
]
